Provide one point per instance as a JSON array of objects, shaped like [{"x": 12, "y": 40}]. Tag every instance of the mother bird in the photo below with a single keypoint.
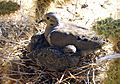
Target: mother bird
[{"x": 61, "y": 34}]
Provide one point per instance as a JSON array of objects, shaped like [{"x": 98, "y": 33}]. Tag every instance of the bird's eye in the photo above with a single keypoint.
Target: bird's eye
[
  {"x": 48, "y": 18},
  {"x": 51, "y": 24}
]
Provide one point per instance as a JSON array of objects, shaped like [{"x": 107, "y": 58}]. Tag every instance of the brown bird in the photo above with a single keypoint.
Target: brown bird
[{"x": 61, "y": 34}]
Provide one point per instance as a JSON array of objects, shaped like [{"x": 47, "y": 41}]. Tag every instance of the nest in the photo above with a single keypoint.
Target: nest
[{"x": 40, "y": 63}]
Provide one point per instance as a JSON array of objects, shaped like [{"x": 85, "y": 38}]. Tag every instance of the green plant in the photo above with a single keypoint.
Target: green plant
[
  {"x": 108, "y": 27},
  {"x": 8, "y": 7}
]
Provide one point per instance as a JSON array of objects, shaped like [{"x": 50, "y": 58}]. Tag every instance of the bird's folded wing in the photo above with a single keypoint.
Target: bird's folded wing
[{"x": 61, "y": 39}]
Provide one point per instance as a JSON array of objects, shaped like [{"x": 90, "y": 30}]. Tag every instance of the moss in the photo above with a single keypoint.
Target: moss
[
  {"x": 8, "y": 7},
  {"x": 113, "y": 73},
  {"x": 107, "y": 27},
  {"x": 110, "y": 29}
]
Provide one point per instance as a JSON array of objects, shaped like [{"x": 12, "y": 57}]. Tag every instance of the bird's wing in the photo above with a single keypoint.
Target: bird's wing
[
  {"x": 70, "y": 35},
  {"x": 81, "y": 41},
  {"x": 61, "y": 39}
]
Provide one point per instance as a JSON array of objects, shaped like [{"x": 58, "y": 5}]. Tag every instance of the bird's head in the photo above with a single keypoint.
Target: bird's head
[{"x": 51, "y": 19}]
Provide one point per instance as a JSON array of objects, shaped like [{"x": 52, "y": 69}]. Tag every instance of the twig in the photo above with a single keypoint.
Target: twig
[
  {"x": 88, "y": 77},
  {"x": 108, "y": 57},
  {"x": 59, "y": 81},
  {"x": 93, "y": 79}
]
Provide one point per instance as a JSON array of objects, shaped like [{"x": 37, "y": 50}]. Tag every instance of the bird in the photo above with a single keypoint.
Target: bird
[
  {"x": 37, "y": 41},
  {"x": 53, "y": 59},
  {"x": 60, "y": 34}
]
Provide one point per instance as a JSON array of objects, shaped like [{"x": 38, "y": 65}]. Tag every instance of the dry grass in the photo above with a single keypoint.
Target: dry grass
[
  {"x": 43, "y": 6},
  {"x": 113, "y": 73}
]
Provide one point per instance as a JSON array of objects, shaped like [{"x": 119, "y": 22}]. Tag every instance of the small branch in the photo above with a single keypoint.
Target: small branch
[
  {"x": 108, "y": 57},
  {"x": 93, "y": 79},
  {"x": 88, "y": 77}
]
